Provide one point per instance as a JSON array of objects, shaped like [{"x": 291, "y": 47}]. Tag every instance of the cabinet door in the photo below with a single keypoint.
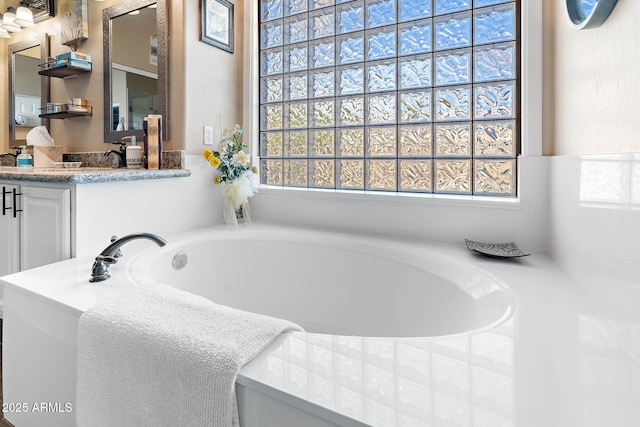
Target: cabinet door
[
  {"x": 9, "y": 230},
  {"x": 45, "y": 226}
]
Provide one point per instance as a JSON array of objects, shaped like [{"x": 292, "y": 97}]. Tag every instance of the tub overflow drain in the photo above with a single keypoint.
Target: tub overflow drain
[{"x": 179, "y": 260}]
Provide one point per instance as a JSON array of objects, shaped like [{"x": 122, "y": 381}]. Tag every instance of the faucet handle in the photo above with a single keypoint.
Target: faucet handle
[{"x": 118, "y": 253}]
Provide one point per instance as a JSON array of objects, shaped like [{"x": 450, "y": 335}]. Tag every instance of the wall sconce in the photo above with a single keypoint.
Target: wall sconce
[{"x": 25, "y": 16}]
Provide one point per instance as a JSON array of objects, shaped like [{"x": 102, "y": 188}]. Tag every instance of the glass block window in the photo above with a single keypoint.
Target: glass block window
[{"x": 390, "y": 95}]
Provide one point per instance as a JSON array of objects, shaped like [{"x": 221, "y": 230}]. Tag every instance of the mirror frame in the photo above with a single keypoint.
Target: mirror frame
[
  {"x": 42, "y": 41},
  {"x": 595, "y": 18},
  {"x": 163, "y": 67}
]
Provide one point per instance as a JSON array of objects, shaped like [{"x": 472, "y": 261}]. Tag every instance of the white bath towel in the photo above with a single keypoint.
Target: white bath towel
[{"x": 158, "y": 356}]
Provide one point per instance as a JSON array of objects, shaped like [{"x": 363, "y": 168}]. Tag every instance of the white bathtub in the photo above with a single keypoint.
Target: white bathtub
[
  {"x": 400, "y": 333},
  {"x": 330, "y": 283}
]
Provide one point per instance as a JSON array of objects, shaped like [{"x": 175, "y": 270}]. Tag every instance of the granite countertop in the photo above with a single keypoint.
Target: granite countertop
[{"x": 86, "y": 175}]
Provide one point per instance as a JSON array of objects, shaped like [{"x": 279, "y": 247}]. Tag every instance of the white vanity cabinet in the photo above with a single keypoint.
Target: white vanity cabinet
[{"x": 35, "y": 225}]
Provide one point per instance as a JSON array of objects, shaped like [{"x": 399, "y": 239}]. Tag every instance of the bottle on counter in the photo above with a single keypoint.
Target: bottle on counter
[
  {"x": 24, "y": 159},
  {"x": 134, "y": 155}
]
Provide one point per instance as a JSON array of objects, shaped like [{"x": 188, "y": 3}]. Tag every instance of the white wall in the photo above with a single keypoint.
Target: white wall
[
  {"x": 593, "y": 105},
  {"x": 596, "y": 83}
]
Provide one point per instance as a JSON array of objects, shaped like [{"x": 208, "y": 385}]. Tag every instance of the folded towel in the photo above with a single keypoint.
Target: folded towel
[{"x": 157, "y": 356}]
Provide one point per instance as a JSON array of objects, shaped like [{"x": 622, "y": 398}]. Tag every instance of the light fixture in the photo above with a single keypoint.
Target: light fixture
[
  {"x": 24, "y": 17},
  {"x": 8, "y": 22},
  {"x": 4, "y": 34}
]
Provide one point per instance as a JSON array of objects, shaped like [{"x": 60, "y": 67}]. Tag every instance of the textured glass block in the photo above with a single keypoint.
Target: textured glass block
[
  {"x": 295, "y": 144},
  {"x": 322, "y": 143},
  {"x": 351, "y": 111},
  {"x": 271, "y": 62},
  {"x": 271, "y": 172},
  {"x": 271, "y": 144},
  {"x": 450, "y": 6},
  {"x": 415, "y": 175},
  {"x": 453, "y": 31},
  {"x": 351, "y": 174},
  {"x": 415, "y": 37},
  {"x": 323, "y": 53},
  {"x": 453, "y": 176},
  {"x": 271, "y": 90},
  {"x": 381, "y": 141},
  {"x": 453, "y": 104},
  {"x": 481, "y": 3},
  {"x": 323, "y": 23},
  {"x": 495, "y": 139},
  {"x": 323, "y": 113},
  {"x": 296, "y": 29},
  {"x": 414, "y": 9},
  {"x": 453, "y": 140},
  {"x": 415, "y": 141},
  {"x": 323, "y": 83},
  {"x": 415, "y": 107},
  {"x": 296, "y": 57},
  {"x": 381, "y": 43},
  {"x": 453, "y": 67},
  {"x": 271, "y": 34},
  {"x": 415, "y": 72},
  {"x": 380, "y": 12},
  {"x": 323, "y": 173},
  {"x": 295, "y": 173},
  {"x": 494, "y": 101},
  {"x": 381, "y": 175},
  {"x": 295, "y": 6},
  {"x": 296, "y": 115},
  {"x": 350, "y": 80},
  {"x": 317, "y": 4},
  {"x": 271, "y": 9},
  {"x": 381, "y": 109},
  {"x": 495, "y": 177},
  {"x": 296, "y": 86},
  {"x": 350, "y": 17},
  {"x": 495, "y": 62},
  {"x": 496, "y": 24},
  {"x": 350, "y": 48},
  {"x": 381, "y": 76},
  {"x": 271, "y": 117},
  {"x": 351, "y": 142}
]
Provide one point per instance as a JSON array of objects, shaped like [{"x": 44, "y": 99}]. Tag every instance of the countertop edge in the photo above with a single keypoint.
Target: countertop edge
[{"x": 90, "y": 177}]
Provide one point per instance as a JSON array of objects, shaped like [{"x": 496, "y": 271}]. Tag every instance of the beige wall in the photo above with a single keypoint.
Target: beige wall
[
  {"x": 214, "y": 79},
  {"x": 596, "y": 99}
]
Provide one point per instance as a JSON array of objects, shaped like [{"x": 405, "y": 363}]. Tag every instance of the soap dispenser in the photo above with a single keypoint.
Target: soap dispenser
[
  {"x": 134, "y": 154},
  {"x": 24, "y": 159}
]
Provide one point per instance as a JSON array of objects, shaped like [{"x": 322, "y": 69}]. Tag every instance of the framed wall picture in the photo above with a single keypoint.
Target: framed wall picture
[{"x": 216, "y": 26}]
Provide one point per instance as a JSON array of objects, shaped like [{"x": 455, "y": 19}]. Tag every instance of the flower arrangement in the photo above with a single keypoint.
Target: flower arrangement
[
  {"x": 230, "y": 159},
  {"x": 235, "y": 172}
]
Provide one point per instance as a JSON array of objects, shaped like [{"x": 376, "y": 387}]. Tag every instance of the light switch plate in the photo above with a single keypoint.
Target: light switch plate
[{"x": 208, "y": 135}]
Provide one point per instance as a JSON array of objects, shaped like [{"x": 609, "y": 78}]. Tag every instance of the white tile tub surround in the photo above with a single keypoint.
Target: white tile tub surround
[{"x": 595, "y": 234}]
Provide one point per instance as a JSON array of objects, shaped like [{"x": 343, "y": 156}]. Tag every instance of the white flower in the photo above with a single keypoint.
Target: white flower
[
  {"x": 241, "y": 158},
  {"x": 229, "y": 133}
]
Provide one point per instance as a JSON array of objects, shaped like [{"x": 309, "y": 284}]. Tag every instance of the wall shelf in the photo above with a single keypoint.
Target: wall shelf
[
  {"x": 69, "y": 113},
  {"x": 64, "y": 71}
]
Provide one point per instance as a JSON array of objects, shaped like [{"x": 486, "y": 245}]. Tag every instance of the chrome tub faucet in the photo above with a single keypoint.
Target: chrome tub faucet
[{"x": 111, "y": 254}]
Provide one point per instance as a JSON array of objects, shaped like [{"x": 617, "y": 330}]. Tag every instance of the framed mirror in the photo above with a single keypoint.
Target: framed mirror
[
  {"x": 135, "y": 67},
  {"x": 28, "y": 91}
]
